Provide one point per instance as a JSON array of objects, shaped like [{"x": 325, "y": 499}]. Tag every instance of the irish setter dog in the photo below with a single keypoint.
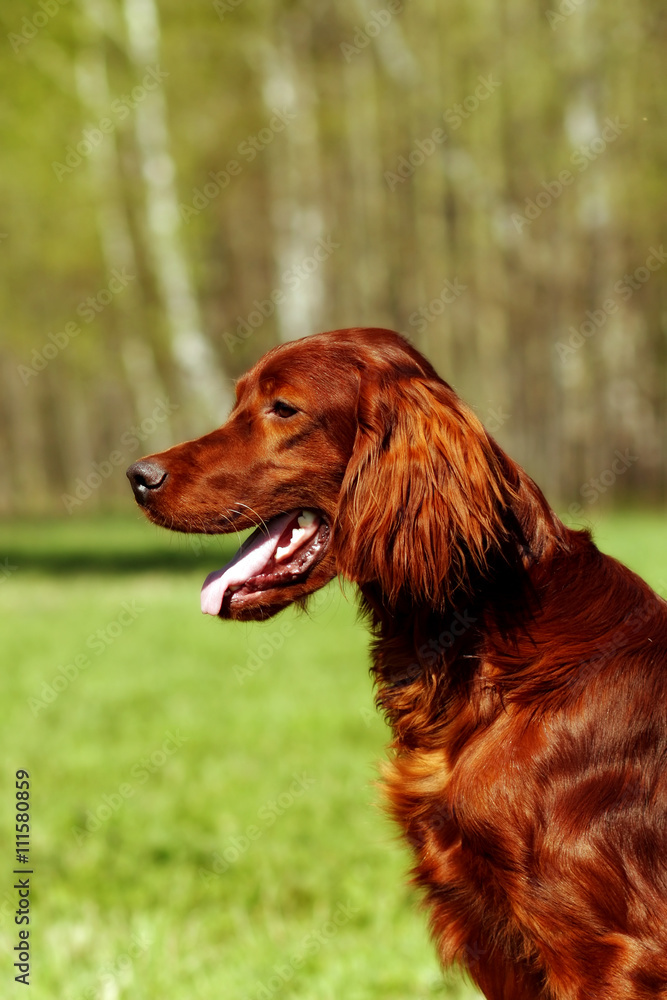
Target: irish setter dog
[{"x": 524, "y": 674}]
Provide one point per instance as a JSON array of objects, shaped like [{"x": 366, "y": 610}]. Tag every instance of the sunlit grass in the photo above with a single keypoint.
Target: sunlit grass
[{"x": 205, "y": 822}]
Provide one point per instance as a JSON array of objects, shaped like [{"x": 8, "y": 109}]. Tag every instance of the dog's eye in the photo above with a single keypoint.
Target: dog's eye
[{"x": 283, "y": 409}]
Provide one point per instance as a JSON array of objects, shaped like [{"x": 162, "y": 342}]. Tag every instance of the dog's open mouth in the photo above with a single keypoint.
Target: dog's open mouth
[{"x": 277, "y": 554}]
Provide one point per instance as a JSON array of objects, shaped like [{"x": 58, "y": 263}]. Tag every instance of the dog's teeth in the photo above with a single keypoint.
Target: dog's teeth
[
  {"x": 284, "y": 550},
  {"x": 306, "y": 518},
  {"x": 234, "y": 587}
]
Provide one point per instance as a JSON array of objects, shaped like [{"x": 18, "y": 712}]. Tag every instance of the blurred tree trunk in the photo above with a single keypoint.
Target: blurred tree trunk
[
  {"x": 206, "y": 393},
  {"x": 133, "y": 345},
  {"x": 294, "y": 175},
  {"x": 25, "y": 484}
]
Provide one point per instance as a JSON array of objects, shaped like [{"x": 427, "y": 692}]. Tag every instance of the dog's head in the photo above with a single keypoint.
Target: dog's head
[{"x": 346, "y": 453}]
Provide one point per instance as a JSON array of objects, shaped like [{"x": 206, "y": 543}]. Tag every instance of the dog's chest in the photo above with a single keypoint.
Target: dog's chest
[{"x": 457, "y": 806}]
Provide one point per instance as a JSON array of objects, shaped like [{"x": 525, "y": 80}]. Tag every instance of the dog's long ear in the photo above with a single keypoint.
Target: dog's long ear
[{"x": 425, "y": 506}]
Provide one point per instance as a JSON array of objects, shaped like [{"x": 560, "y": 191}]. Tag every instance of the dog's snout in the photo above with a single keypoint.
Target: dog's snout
[{"x": 146, "y": 478}]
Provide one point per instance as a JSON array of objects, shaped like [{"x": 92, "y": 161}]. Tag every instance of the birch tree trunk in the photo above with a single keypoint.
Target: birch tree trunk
[
  {"x": 143, "y": 380},
  {"x": 294, "y": 170},
  {"x": 207, "y": 393}
]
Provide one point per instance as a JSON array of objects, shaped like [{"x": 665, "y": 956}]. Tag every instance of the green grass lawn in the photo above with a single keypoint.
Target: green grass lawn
[{"x": 204, "y": 817}]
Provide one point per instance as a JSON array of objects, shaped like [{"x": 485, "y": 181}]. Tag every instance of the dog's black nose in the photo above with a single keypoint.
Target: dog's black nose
[{"x": 146, "y": 478}]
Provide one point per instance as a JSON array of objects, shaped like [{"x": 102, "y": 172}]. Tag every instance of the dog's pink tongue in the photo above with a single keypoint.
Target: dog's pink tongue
[{"x": 250, "y": 559}]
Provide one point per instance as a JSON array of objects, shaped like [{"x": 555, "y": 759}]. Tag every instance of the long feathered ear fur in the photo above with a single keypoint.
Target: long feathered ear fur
[{"x": 425, "y": 506}]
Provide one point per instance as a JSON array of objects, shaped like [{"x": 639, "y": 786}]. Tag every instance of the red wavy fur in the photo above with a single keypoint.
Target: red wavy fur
[{"x": 523, "y": 672}]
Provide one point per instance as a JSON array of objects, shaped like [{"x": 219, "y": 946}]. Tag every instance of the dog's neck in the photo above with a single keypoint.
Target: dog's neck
[
  {"x": 426, "y": 660},
  {"x": 420, "y": 659}
]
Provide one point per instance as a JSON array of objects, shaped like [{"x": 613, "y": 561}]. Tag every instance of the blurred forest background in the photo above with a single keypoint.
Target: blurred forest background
[{"x": 184, "y": 185}]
